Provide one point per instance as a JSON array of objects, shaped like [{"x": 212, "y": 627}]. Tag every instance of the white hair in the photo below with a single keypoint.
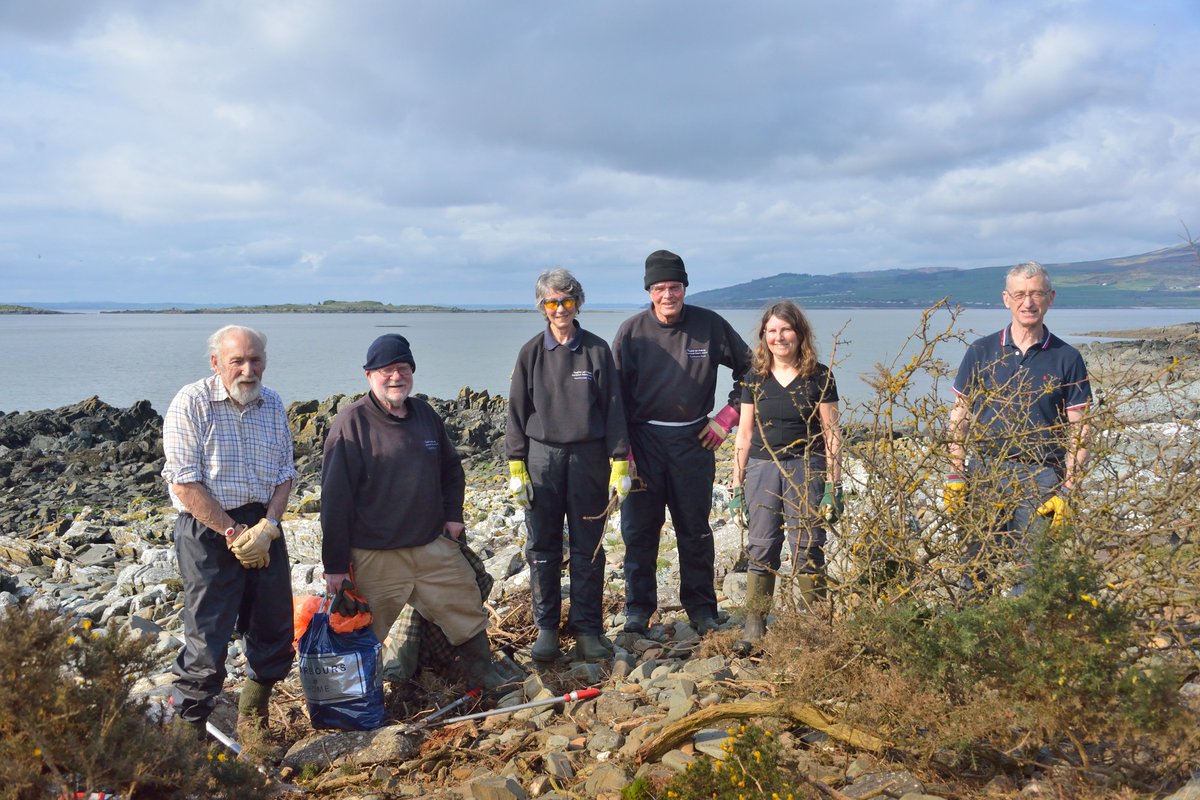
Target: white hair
[{"x": 214, "y": 341}]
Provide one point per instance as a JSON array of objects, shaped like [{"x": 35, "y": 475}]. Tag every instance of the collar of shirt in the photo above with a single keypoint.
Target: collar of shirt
[
  {"x": 217, "y": 392},
  {"x": 571, "y": 344},
  {"x": 1006, "y": 337}
]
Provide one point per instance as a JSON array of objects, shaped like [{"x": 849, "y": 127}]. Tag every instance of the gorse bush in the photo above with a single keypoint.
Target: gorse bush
[
  {"x": 68, "y": 722},
  {"x": 959, "y": 645},
  {"x": 749, "y": 771}
]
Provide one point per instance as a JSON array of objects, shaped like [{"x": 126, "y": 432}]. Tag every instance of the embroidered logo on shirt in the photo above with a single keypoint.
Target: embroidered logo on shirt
[
  {"x": 431, "y": 445},
  {"x": 697, "y": 352},
  {"x": 582, "y": 375}
]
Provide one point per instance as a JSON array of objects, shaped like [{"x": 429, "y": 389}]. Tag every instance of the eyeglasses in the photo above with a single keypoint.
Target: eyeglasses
[
  {"x": 664, "y": 288},
  {"x": 392, "y": 370},
  {"x": 568, "y": 304},
  {"x": 1037, "y": 294}
]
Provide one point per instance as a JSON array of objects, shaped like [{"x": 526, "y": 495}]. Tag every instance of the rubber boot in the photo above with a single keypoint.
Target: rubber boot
[
  {"x": 190, "y": 728},
  {"x": 636, "y": 623},
  {"x": 545, "y": 649},
  {"x": 589, "y": 647},
  {"x": 253, "y": 732},
  {"x": 806, "y": 588},
  {"x": 480, "y": 671},
  {"x": 760, "y": 590}
]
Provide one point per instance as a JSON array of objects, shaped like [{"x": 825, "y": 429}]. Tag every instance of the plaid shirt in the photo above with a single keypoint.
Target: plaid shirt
[{"x": 239, "y": 456}]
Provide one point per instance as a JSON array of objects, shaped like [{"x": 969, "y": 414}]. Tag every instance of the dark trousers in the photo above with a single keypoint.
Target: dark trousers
[
  {"x": 1002, "y": 500},
  {"x": 569, "y": 481},
  {"x": 220, "y": 596},
  {"x": 782, "y": 500},
  {"x": 678, "y": 474}
]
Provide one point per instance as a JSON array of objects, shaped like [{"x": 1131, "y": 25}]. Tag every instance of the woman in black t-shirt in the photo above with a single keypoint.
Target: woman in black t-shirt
[{"x": 787, "y": 468}]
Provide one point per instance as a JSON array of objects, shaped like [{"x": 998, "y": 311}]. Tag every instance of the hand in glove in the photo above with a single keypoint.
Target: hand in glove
[
  {"x": 1057, "y": 509},
  {"x": 519, "y": 485},
  {"x": 954, "y": 492},
  {"x": 348, "y": 601},
  {"x": 713, "y": 434},
  {"x": 832, "y": 505},
  {"x": 619, "y": 481},
  {"x": 737, "y": 503},
  {"x": 252, "y": 548}
]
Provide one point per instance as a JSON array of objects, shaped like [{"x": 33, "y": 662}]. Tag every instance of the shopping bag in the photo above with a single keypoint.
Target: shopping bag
[{"x": 341, "y": 675}]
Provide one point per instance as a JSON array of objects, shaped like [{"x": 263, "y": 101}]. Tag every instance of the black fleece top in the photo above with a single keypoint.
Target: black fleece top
[
  {"x": 564, "y": 394},
  {"x": 386, "y": 482}
]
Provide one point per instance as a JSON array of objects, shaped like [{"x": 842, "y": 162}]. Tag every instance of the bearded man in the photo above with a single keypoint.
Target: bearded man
[{"x": 229, "y": 468}]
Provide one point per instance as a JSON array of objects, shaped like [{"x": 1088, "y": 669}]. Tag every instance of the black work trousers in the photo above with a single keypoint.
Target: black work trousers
[
  {"x": 221, "y": 596},
  {"x": 677, "y": 474},
  {"x": 569, "y": 481}
]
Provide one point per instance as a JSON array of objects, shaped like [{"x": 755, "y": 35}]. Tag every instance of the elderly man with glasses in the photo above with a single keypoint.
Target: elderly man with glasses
[
  {"x": 1018, "y": 431},
  {"x": 392, "y": 490}
]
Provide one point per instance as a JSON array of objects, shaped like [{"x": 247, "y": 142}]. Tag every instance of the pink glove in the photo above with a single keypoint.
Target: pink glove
[{"x": 714, "y": 433}]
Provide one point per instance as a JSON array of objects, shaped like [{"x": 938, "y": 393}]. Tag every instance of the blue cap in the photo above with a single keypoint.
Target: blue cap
[{"x": 389, "y": 349}]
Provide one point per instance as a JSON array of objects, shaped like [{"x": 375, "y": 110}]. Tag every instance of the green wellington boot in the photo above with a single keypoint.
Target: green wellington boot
[{"x": 760, "y": 591}]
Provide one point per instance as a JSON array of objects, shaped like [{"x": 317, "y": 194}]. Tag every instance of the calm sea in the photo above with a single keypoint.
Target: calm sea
[{"x": 55, "y": 360}]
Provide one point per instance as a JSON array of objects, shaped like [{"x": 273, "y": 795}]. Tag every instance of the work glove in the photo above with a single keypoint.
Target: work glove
[
  {"x": 832, "y": 505},
  {"x": 519, "y": 485},
  {"x": 618, "y": 479},
  {"x": 737, "y": 503},
  {"x": 1057, "y": 509},
  {"x": 348, "y": 601},
  {"x": 713, "y": 434},
  {"x": 954, "y": 492},
  {"x": 252, "y": 548}
]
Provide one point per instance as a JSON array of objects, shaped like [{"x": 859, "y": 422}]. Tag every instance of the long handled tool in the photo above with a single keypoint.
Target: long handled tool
[
  {"x": 223, "y": 738},
  {"x": 425, "y": 723},
  {"x": 569, "y": 697}
]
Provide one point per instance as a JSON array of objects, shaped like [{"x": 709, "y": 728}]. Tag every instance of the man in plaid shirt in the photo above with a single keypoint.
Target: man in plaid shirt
[{"x": 229, "y": 469}]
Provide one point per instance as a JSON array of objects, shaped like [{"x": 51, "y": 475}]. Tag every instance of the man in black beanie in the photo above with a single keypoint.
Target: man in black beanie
[
  {"x": 667, "y": 357},
  {"x": 392, "y": 488}
]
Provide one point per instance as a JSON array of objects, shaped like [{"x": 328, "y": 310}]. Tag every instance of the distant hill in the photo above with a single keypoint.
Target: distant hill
[{"x": 1167, "y": 278}]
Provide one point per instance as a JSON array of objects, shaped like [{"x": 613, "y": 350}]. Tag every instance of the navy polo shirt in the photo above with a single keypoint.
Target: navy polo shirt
[{"x": 1023, "y": 398}]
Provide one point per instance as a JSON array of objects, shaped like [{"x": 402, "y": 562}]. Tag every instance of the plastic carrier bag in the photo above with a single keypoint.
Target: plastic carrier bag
[{"x": 341, "y": 675}]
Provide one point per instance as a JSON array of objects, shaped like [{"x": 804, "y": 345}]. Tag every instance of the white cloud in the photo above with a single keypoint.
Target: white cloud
[{"x": 311, "y": 149}]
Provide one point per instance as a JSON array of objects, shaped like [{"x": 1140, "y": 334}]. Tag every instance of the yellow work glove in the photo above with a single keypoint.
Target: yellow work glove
[
  {"x": 954, "y": 493},
  {"x": 519, "y": 485},
  {"x": 1057, "y": 509},
  {"x": 618, "y": 479},
  {"x": 253, "y": 547}
]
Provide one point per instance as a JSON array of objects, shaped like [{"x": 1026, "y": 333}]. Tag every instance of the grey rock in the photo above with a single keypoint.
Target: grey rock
[
  {"x": 1189, "y": 791},
  {"x": 605, "y": 778},
  {"x": 893, "y": 782},
  {"x": 494, "y": 787},
  {"x": 710, "y": 742},
  {"x": 558, "y": 764},
  {"x": 677, "y": 760}
]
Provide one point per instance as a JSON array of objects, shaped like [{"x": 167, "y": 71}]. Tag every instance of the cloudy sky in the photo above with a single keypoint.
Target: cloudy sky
[{"x": 233, "y": 151}]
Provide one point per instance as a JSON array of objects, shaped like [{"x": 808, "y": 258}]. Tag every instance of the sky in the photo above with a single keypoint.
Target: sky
[{"x": 232, "y": 151}]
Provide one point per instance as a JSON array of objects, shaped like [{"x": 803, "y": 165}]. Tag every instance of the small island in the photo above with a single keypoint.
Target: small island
[
  {"x": 15, "y": 309},
  {"x": 325, "y": 307}
]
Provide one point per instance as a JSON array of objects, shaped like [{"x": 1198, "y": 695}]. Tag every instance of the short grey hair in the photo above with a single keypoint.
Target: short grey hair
[
  {"x": 1030, "y": 269},
  {"x": 214, "y": 341},
  {"x": 557, "y": 280}
]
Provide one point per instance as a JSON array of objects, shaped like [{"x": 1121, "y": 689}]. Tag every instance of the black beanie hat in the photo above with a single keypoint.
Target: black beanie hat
[
  {"x": 664, "y": 266},
  {"x": 389, "y": 349}
]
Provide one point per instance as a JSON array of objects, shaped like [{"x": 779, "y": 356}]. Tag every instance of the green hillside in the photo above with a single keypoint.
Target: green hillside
[{"x": 1168, "y": 278}]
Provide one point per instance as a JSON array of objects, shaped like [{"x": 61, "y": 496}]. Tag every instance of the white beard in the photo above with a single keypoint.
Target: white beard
[{"x": 245, "y": 392}]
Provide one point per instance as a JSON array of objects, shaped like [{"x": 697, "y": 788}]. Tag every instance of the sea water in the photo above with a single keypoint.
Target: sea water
[{"x": 47, "y": 361}]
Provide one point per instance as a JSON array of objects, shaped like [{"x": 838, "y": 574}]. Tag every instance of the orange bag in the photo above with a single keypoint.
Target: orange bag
[{"x": 303, "y": 608}]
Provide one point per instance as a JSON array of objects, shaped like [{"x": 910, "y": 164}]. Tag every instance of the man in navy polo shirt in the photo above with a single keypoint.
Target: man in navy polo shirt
[{"x": 1018, "y": 435}]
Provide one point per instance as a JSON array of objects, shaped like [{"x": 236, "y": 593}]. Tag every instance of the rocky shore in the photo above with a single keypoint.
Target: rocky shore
[{"x": 85, "y": 529}]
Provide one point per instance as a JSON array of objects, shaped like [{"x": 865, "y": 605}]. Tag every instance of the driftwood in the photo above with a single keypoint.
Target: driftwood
[{"x": 804, "y": 714}]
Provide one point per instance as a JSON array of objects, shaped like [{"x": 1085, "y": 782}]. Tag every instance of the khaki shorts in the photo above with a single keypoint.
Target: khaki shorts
[{"x": 435, "y": 578}]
